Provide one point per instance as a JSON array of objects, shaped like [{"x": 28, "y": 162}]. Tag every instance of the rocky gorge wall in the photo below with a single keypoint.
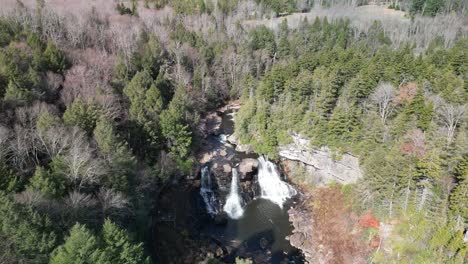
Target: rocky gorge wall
[{"x": 322, "y": 165}]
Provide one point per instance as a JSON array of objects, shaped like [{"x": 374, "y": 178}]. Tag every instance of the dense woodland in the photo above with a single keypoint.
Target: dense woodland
[{"x": 98, "y": 115}]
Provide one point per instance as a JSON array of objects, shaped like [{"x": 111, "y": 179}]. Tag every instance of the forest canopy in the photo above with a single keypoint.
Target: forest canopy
[{"x": 100, "y": 112}]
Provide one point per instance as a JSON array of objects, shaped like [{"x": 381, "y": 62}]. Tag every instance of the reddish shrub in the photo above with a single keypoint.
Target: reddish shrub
[
  {"x": 406, "y": 93},
  {"x": 336, "y": 228},
  {"x": 415, "y": 143},
  {"x": 368, "y": 220}
]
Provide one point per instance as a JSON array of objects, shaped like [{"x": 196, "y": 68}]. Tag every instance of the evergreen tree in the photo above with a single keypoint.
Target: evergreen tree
[
  {"x": 121, "y": 161},
  {"x": 8, "y": 180},
  {"x": 49, "y": 184},
  {"x": 80, "y": 247},
  {"x": 46, "y": 121},
  {"x": 15, "y": 93},
  {"x": 459, "y": 195},
  {"x": 300, "y": 87},
  {"x": 82, "y": 115},
  {"x": 118, "y": 247},
  {"x": 136, "y": 92},
  {"x": 54, "y": 58},
  {"x": 26, "y": 235},
  {"x": 263, "y": 38},
  {"x": 283, "y": 44}
]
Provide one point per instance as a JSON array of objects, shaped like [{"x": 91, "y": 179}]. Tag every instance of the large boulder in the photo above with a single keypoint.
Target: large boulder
[
  {"x": 247, "y": 168},
  {"x": 232, "y": 139},
  {"x": 227, "y": 168},
  {"x": 243, "y": 148}
]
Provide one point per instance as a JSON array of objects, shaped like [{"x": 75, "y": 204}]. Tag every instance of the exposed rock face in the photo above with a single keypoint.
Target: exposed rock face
[
  {"x": 247, "y": 168},
  {"x": 320, "y": 162},
  {"x": 227, "y": 168},
  {"x": 301, "y": 220},
  {"x": 239, "y": 147}
]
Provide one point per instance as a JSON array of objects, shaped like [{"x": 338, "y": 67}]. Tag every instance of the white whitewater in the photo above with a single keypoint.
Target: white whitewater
[
  {"x": 207, "y": 193},
  {"x": 271, "y": 185},
  {"x": 233, "y": 206},
  {"x": 222, "y": 138}
]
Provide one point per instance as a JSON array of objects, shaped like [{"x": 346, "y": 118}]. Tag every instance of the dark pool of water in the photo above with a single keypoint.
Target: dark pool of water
[{"x": 259, "y": 234}]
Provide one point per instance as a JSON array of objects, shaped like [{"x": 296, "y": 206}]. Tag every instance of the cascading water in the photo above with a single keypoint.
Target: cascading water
[
  {"x": 233, "y": 206},
  {"x": 271, "y": 185},
  {"x": 207, "y": 193},
  {"x": 222, "y": 138}
]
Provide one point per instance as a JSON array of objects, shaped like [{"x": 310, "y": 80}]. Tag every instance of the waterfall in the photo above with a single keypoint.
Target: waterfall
[
  {"x": 206, "y": 192},
  {"x": 271, "y": 185},
  {"x": 233, "y": 205},
  {"x": 222, "y": 138}
]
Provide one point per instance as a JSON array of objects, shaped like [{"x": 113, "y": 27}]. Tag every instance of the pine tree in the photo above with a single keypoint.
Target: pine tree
[
  {"x": 49, "y": 184},
  {"x": 263, "y": 38},
  {"x": 118, "y": 248},
  {"x": 300, "y": 88},
  {"x": 459, "y": 195},
  {"x": 82, "y": 115},
  {"x": 136, "y": 92},
  {"x": 80, "y": 247},
  {"x": 146, "y": 103},
  {"x": 121, "y": 161},
  {"x": 283, "y": 44},
  {"x": 153, "y": 102},
  {"x": 54, "y": 58},
  {"x": 8, "y": 180},
  {"x": 27, "y": 236},
  {"x": 46, "y": 120}
]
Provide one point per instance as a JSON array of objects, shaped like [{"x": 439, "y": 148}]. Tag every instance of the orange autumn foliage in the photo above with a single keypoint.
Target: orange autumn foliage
[
  {"x": 368, "y": 220},
  {"x": 338, "y": 234}
]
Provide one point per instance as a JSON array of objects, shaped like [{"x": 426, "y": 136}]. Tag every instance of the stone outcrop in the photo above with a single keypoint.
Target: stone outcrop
[
  {"x": 321, "y": 163},
  {"x": 239, "y": 147},
  {"x": 303, "y": 229},
  {"x": 247, "y": 168}
]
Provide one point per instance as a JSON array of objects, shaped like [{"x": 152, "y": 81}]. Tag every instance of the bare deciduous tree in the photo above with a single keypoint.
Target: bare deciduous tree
[
  {"x": 80, "y": 207},
  {"x": 450, "y": 116},
  {"x": 55, "y": 140},
  {"x": 83, "y": 166},
  {"x": 76, "y": 199},
  {"x": 383, "y": 97},
  {"x": 29, "y": 197},
  {"x": 111, "y": 201},
  {"x": 24, "y": 155},
  {"x": 4, "y": 138}
]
